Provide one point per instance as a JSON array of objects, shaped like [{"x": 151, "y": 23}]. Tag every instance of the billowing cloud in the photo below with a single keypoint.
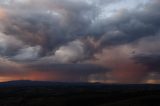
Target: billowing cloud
[
  {"x": 119, "y": 35},
  {"x": 8, "y": 44},
  {"x": 28, "y": 53},
  {"x": 72, "y": 52}
]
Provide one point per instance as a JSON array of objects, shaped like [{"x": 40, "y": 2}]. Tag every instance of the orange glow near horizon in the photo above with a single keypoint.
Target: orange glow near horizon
[
  {"x": 5, "y": 79},
  {"x": 35, "y": 76},
  {"x": 42, "y": 76},
  {"x": 2, "y": 14}
]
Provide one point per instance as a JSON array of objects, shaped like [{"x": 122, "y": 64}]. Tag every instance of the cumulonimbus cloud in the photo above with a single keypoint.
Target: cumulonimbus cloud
[{"x": 79, "y": 32}]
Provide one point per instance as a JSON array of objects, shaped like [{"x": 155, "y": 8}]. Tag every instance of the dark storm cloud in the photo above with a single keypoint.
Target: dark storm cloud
[
  {"x": 80, "y": 69},
  {"x": 131, "y": 26},
  {"x": 61, "y": 32},
  {"x": 52, "y": 24},
  {"x": 152, "y": 61},
  {"x": 73, "y": 72}
]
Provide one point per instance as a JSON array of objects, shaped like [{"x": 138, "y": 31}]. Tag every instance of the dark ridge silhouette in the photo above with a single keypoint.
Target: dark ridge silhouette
[
  {"x": 48, "y": 93},
  {"x": 29, "y": 83}
]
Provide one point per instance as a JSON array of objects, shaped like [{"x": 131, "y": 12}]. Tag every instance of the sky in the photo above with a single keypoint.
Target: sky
[{"x": 106, "y": 41}]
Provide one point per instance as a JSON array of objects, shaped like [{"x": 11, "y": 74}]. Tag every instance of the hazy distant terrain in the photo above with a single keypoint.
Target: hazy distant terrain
[{"x": 30, "y": 93}]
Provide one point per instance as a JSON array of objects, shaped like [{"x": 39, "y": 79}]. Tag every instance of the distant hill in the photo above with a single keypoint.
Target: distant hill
[
  {"x": 47, "y": 93},
  {"x": 29, "y": 83}
]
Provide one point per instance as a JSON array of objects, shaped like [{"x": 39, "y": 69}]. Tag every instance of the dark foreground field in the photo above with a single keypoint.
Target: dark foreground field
[{"x": 29, "y": 93}]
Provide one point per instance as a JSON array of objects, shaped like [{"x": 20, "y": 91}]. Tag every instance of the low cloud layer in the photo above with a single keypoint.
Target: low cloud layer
[{"x": 112, "y": 41}]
